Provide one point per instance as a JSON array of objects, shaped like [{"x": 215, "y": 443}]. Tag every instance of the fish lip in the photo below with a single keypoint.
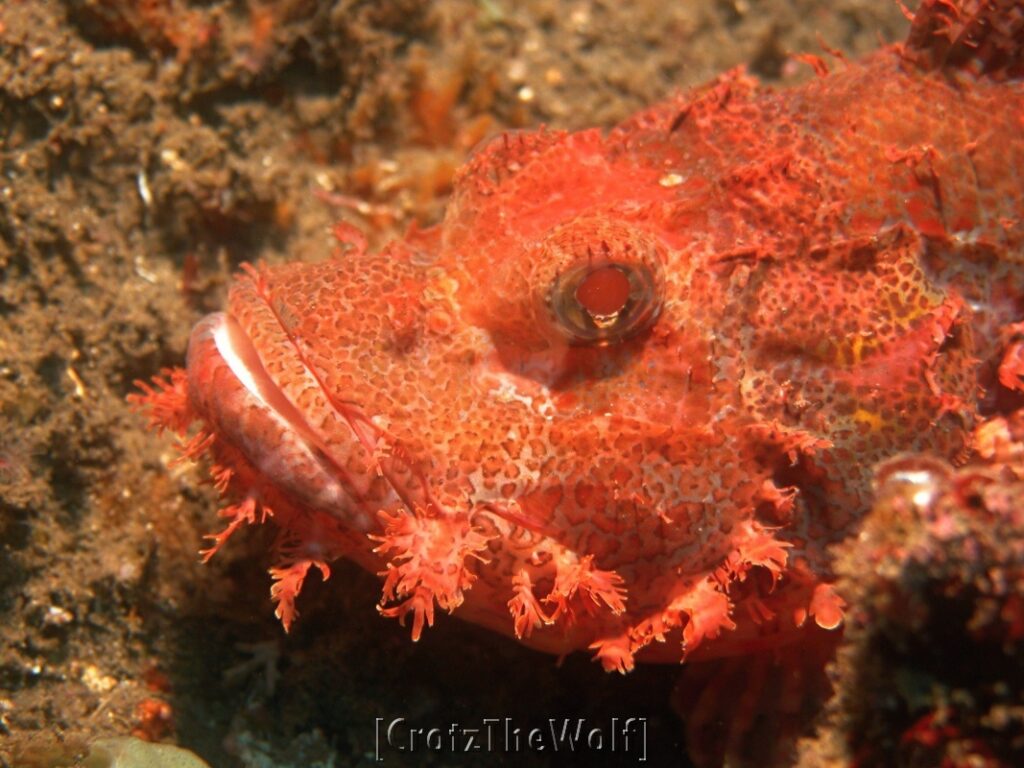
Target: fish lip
[
  {"x": 243, "y": 404},
  {"x": 243, "y": 360},
  {"x": 238, "y": 352}
]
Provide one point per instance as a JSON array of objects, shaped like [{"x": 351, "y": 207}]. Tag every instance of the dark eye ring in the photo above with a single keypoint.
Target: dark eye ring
[{"x": 605, "y": 302}]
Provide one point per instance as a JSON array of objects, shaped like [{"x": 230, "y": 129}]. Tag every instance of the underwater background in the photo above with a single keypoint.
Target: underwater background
[{"x": 147, "y": 149}]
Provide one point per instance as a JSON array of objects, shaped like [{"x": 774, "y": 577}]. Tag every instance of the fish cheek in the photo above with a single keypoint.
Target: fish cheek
[{"x": 857, "y": 345}]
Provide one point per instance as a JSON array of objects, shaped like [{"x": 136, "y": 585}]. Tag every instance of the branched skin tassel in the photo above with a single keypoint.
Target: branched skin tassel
[{"x": 629, "y": 392}]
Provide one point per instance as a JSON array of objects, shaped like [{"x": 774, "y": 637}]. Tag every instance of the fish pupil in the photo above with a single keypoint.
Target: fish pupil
[
  {"x": 603, "y": 293},
  {"x": 605, "y": 303}
]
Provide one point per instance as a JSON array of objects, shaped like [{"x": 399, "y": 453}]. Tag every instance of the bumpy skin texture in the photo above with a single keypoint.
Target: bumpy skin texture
[{"x": 817, "y": 279}]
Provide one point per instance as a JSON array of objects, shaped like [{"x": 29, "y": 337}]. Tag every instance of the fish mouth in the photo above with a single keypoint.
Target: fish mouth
[{"x": 255, "y": 413}]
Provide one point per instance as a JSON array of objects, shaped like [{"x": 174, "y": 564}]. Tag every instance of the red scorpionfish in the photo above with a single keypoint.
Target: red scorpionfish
[{"x": 631, "y": 389}]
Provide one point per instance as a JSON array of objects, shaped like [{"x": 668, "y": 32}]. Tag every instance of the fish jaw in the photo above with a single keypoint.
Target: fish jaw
[
  {"x": 385, "y": 519},
  {"x": 240, "y": 402}
]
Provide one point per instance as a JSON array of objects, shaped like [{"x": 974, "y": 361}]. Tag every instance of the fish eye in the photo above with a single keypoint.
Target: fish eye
[{"x": 599, "y": 303}]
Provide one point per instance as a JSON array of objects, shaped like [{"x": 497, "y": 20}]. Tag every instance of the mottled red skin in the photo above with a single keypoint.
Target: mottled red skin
[{"x": 833, "y": 267}]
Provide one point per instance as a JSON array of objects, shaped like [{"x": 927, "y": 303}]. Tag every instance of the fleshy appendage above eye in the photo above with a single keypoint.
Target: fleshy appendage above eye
[{"x": 609, "y": 287}]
